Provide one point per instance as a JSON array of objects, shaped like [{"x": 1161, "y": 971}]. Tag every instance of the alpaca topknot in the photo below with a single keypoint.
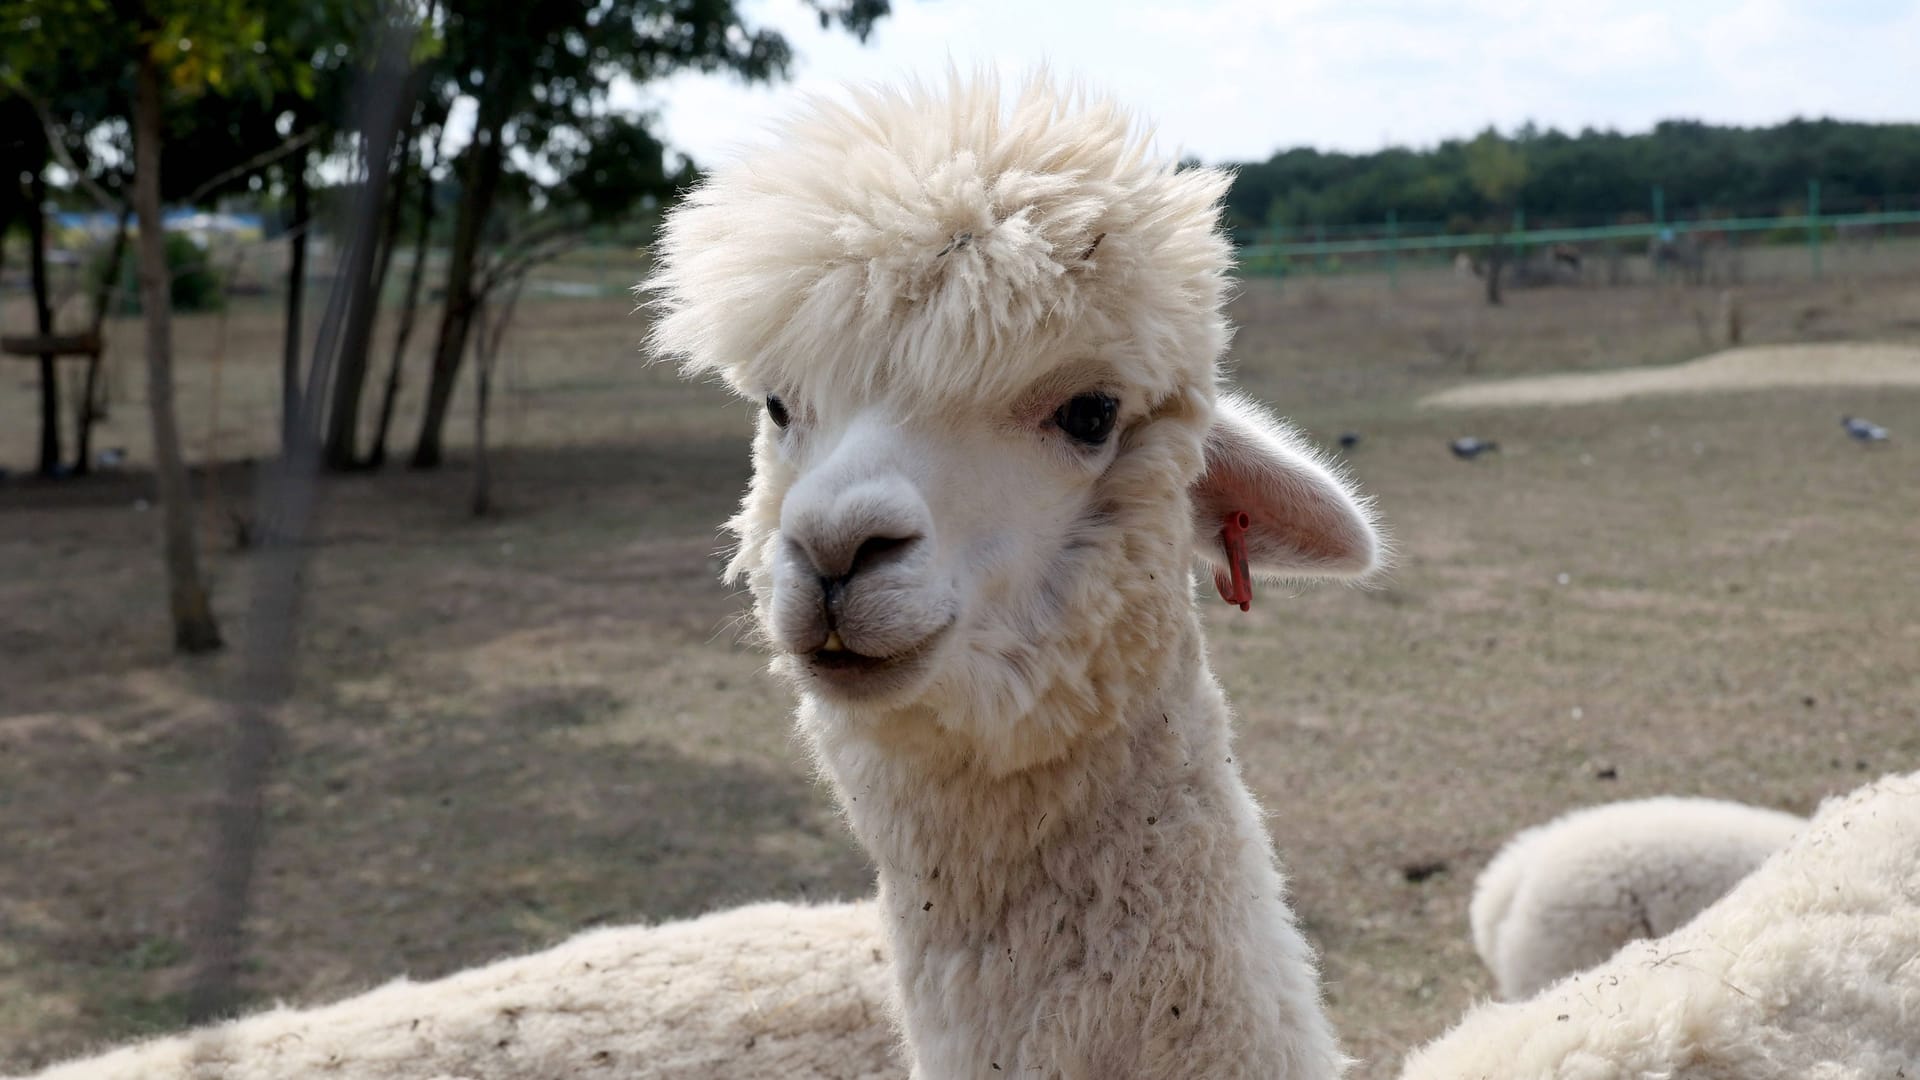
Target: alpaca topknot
[{"x": 945, "y": 244}]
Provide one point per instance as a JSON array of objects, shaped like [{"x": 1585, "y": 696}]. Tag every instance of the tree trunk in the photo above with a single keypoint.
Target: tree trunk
[
  {"x": 409, "y": 305},
  {"x": 476, "y": 203},
  {"x": 194, "y": 630},
  {"x": 301, "y": 224},
  {"x": 482, "y": 401},
  {"x": 486, "y": 350},
  {"x": 43, "y": 321},
  {"x": 89, "y": 408},
  {"x": 350, "y": 378}
]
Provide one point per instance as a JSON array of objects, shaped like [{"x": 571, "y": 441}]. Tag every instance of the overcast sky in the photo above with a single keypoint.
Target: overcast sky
[{"x": 1234, "y": 80}]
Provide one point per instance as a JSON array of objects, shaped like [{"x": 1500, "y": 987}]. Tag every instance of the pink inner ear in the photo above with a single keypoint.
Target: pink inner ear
[
  {"x": 1302, "y": 520},
  {"x": 1292, "y": 524}
]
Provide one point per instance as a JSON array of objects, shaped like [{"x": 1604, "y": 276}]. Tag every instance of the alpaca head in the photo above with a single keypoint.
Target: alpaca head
[{"x": 985, "y": 334}]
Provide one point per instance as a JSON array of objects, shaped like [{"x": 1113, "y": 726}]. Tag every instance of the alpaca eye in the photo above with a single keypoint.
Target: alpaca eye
[
  {"x": 777, "y": 411},
  {"x": 1088, "y": 418}
]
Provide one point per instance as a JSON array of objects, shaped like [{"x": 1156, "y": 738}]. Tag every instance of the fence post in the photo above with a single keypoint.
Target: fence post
[
  {"x": 1393, "y": 250},
  {"x": 1320, "y": 248},
  {"x": 1813, "y": 225},
  {"x": 1659, "y": 205}
]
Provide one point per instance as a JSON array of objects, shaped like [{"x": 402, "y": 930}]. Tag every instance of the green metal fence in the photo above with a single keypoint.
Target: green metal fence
[{"x": 1391, "y": 242}]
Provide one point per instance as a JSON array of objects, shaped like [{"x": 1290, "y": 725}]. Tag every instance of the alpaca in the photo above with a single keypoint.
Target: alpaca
[
  {"x": 1563, "y": 896},
  {"x": 764, "y": 992},
  {"x": 986, "y": 333},
  {"x": 1810, "y": 967}
]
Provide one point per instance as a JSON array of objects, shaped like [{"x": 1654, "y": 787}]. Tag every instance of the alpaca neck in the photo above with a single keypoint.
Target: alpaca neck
[{"x": 1113, "y": 912}]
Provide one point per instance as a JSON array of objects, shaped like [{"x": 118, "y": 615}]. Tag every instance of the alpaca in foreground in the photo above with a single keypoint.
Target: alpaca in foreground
[
  {"x": 763, "y": 992},
  {"x": 1563, "y": 896},
  {"x": 986, "y": 336}
]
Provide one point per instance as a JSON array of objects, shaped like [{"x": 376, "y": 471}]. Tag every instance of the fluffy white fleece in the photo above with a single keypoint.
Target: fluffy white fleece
[
  {"x": 1076, "y": 881},
  {"x": 765, "y": 992},
  {"x": 1563, "y": 896},
  {"x": 1808, "y": 970}
]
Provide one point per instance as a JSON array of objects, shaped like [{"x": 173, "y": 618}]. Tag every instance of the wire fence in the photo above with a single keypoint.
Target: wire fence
[{"x": 1724, "y": 251}]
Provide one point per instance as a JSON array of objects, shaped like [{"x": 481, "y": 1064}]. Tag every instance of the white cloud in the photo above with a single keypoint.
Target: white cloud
[{"x": 1238, "y": 79}]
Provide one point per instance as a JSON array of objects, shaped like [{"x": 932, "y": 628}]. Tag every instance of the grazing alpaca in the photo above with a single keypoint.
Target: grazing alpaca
[
  {"x": 986, "y": 333},
  {"x": 1809, "y": 968},
  {"x": 1563, "y": 896}
]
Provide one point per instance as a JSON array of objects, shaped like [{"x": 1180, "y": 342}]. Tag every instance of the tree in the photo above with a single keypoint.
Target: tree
[
  {"x": 23, "y": 140},
  {"x": 88, "y": 58},
  {"x": 539, "y": 76},
  {"x": 43, "y": 317},
  {"x": 1497, "y": 170},
  {"x": 1592, "y": 177},
  {"x": 369, "y": 269},
  {"x": 194, "y": 628},
  {"x": 426, "y": 188}
]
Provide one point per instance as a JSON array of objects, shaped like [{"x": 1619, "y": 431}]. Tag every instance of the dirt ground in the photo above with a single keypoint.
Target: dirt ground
[{"x": 509, "y": 729}]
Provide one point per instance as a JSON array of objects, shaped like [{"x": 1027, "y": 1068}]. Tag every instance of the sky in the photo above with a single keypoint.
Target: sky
[{"x": 1235, "y": 80}]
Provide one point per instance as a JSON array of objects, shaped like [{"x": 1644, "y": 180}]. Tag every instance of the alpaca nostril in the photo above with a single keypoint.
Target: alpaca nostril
[
  {"x": 873, "y": 552},
  {"x": 832, "y": 592},
  {"x": 877, "y": 550}
]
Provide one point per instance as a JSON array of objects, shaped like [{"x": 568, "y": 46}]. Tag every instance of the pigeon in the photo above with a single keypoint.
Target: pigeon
[
  {"x": 1865, "y": 431},
  {"x": 1349, "y": 440},
  {"x": 1466, "y": 448}
]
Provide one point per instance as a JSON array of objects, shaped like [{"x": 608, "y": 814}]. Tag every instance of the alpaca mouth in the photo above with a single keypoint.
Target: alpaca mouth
[
  {"x": 859, "y": 675},
  {"x": 844, "y": 659}
]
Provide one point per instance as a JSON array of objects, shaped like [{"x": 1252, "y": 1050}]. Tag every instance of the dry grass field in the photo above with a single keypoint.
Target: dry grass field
[{"x": 508, "y": 729}]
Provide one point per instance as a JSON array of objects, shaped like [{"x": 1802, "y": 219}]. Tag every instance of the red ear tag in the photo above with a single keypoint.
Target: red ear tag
[{"x": 1236, "y": 586}]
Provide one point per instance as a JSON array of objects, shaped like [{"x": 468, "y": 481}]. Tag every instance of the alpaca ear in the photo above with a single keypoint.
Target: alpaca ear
[{"x": 1302, "y": 520}]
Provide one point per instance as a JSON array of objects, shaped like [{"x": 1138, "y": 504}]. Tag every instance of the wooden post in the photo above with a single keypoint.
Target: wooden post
[
  {"x": 1393, "y": 250},
  {"x": 1813, "y": 225}
]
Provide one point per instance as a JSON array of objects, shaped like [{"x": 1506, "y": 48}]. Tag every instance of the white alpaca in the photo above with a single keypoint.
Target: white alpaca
[
  {"x": 1809, "y": 968},
  {"x": 1563, "y": 896},
  {"x": 987, "y": 333},
  {"x": 765, "y": 992}
]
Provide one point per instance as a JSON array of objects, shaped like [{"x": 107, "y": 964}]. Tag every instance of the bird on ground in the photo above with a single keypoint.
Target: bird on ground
[
  {"x": 1349, "y": 440},
  {"x": 1863, "y": 430},
  {"x": 1466, "y": 448}
]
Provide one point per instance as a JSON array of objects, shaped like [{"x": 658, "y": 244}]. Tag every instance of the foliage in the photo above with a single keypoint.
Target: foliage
[
  {"x": 193, "y": 282},
  {"x": 542, "y": 77},
  {"x": 1589, "y": 177},
  {"x": 551, "y": 156},
  {"x": 1496, "y": 168}
]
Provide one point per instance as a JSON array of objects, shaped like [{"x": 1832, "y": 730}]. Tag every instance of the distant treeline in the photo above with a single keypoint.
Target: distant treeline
[{"x": 1593, "y": 178}]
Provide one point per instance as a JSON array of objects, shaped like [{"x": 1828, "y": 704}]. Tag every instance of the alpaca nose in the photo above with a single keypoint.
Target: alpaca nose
[{"x": 856, "y": 532}]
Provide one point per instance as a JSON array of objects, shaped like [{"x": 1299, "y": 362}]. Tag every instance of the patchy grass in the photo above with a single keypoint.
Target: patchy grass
[{"x": 508, "y": 729}]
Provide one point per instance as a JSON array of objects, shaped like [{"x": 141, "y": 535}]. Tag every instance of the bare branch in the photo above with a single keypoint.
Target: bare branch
[
  {"x": 258, "y": 161},
  {"x": 530, "y": 250}
]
